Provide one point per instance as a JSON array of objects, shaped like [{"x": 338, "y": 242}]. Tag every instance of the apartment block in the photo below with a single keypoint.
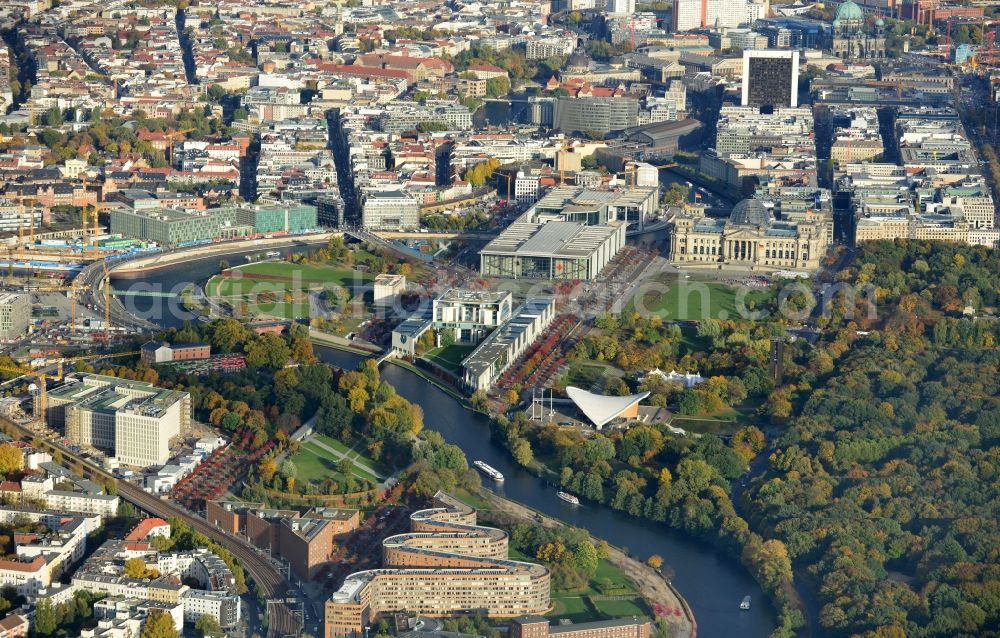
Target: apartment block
[
  {"x": 447, "y": 553},
  {"x": 15, "y": 315}
]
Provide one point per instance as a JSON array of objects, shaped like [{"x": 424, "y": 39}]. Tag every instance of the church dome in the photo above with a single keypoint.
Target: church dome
[
  {"x": 751, "y": 212},
  {"x": 849, "y": 12},
  {"x": 880, "y": 22},
  {"x": 578, "y": 62}
]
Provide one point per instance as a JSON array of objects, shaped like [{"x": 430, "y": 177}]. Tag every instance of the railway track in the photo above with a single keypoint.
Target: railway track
[{"x": 281, "y": 620}]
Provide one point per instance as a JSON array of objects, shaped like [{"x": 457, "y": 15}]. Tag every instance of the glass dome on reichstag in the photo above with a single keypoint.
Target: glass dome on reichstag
[{"x": 751, "y": 212}]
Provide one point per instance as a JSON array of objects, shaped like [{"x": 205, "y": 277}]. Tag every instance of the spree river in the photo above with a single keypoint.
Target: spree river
[{"x": 713, "y": 584}]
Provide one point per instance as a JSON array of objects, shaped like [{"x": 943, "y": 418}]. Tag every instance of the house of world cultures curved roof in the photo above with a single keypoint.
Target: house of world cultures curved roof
[{"x": 601, "y": 409}]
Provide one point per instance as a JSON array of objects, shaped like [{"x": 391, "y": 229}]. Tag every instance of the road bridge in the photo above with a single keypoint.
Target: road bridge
[
  {"x": 115, "y": 292},
  {"x": 444, "y": 234},
  {"x": 376, "y": 240}
]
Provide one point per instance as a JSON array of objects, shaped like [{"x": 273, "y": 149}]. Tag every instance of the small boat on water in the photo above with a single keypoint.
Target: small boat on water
[
  {"x": 745, "y": 605},
  {"x": 569, "y": 498},
  {"x": 488, "y": 471}
]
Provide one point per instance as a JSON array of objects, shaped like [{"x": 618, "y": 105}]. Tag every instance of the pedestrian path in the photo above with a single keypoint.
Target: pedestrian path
[{"x": 340, "y": 455}]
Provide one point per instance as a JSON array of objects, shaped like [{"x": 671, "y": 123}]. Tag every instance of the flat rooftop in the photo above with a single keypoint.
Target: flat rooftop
[
  {"x": 497, "y": 343},
  {"x": 552, "y": 239},
  {"x": 563, "y": 197},
  {"x": 464, "y": 295}
]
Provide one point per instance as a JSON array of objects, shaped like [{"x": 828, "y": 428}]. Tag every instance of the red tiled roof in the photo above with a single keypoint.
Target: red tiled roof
[{"x": 144, "y": 527}]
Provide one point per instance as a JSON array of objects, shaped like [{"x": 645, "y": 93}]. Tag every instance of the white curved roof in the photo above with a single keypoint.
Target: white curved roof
[{"x": 600, "y": 408}]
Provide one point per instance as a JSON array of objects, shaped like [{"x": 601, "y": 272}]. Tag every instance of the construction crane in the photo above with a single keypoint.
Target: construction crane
[
  {"x": 90, "y": 357},
  {"x": 89, "y": 250},
  {"x": 43, "y": 377},
  {"x": 170, "y": 144},
  {"x": 562, "y": 162},
  {"x": 84, "y": 215}
]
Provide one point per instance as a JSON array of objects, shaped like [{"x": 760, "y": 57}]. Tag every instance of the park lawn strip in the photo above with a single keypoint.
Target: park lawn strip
[
  {"x": 572, "y": 607},
  {"x": 474, "y": 502},
  {"x": 305, "y": 275},
  {"x": 358, "y": 458},
  {"x": 311, "y": 466},
  {"x": 305, "y": 272},
  {"x": 358, "y": 470},
  {"x": 449, "y": 357},
  {"x": 618, "y": 608}
]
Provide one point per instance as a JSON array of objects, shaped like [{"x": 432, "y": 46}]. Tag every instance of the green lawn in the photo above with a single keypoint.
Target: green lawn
[
  {"x": 293, "y": 277},
  {"x": 725, "y": 421},
  {"x": 617, "y": 608},
  {"x": 574, "y": 605},
  {"x": 311, "y": 466},
  {"x": 693, "y": 300},
  {"x": 332, "y": 442},
  {"x": 313, "y": 463},
  {"x": 605, "y": 569},
  {"x": 449, "y": 357},
  {"x": 359, "y": 459},
  {"x": 571, "y": 606},
  {"x": 358, "y": 470},
  {"x": 584, "y": 375},
  {"x": 471, "y": 500}
]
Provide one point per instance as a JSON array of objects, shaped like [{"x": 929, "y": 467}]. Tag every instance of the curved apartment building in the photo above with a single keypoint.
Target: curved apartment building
[{"x": 446, "y": 564}]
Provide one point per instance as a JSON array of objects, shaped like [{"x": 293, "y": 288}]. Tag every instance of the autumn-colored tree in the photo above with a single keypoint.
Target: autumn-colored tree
[
  {"x": 159, "y": 625},
  {"x": 11, "y": 459},
  {"x": 136, "y": 568},
  {"x": 655, "y": 561},
  {"x": 267, "y": 469},
  {"x": 551, "y": 552}
]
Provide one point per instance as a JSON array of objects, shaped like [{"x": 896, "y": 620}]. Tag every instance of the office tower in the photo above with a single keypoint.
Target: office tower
[
  {"x": 770, "y": 78},
  {"x": 621, "y": 7},
  {"x": 696, "y": 14}
]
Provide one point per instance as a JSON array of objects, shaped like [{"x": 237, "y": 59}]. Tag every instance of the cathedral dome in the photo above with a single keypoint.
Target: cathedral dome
[
  {"x": 751, "y": 212},
  {"x": 849, "y": 12}
]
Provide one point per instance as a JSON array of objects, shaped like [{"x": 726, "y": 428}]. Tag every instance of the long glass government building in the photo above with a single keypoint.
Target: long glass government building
[{"x": 554, "y": 250}]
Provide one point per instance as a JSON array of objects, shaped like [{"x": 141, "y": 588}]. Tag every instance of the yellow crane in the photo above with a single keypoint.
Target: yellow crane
[
  {"x": 90, "y": 357},
  {"x": 170, "y": 144},
  {"x": 43, "y": 377}
]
